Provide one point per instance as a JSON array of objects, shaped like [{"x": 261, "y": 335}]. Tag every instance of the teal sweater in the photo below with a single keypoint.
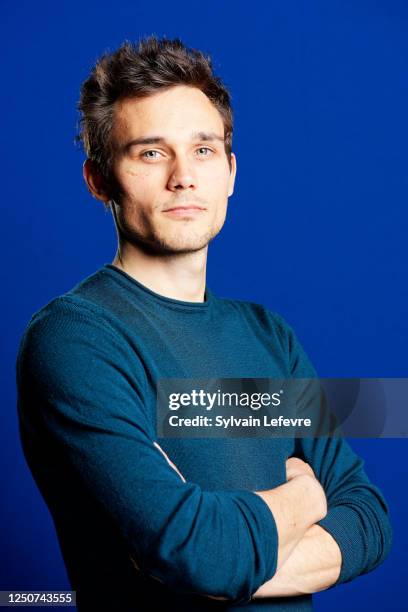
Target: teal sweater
[{"x": 86, "y": 374}]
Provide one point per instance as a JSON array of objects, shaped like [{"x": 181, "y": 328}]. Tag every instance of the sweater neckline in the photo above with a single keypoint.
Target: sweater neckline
[{"x": 148, "y": 293}]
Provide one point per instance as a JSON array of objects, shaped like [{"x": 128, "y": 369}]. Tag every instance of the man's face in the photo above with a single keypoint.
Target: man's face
[{"x": 171, "y": 170}]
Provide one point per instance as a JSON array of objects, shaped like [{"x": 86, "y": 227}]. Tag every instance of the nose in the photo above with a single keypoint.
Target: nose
[{"x": 182, "y": 175}]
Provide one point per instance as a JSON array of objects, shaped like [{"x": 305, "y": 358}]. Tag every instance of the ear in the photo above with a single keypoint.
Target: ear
[
  {"x": 233, "y": 173},
  {"x": 96, "y": 183}
]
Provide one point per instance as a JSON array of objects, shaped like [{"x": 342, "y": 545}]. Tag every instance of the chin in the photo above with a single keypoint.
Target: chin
[
  {"x": 184, "y": 246},
  {"x": 186, "y": 243}
]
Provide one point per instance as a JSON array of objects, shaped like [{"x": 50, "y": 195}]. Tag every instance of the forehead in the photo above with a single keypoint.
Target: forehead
[{"x": 174, "y": 112}]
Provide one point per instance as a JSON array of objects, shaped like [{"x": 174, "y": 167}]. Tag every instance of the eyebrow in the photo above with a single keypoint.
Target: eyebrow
[{"x": 147, "y": 140}]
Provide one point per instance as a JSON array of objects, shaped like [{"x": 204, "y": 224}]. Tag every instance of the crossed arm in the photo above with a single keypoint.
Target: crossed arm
[
  {"x": 313, "y": 566},
  {"x": 314, "y": 563},
  {"x": 309, "y": 558},
  {"x": 81, "y": 391}
]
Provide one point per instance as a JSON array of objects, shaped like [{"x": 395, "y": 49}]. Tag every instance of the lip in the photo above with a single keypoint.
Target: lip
[
  {"x": 187, "y": 207},
  {"x": 184, "y": 211}
]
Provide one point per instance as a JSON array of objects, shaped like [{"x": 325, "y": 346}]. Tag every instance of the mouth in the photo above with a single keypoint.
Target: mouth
[
  {"x": 180, "y": 211},
  {"x": 184, "y": 207}
]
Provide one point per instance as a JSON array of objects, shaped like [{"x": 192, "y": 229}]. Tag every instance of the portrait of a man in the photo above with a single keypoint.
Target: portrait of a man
[{"x": 177, "y": 524}]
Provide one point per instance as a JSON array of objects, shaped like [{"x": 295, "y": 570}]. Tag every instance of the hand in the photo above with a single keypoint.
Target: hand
[
  {"x": 296, "y": 468},
  {"x": 169, "y": 462}
]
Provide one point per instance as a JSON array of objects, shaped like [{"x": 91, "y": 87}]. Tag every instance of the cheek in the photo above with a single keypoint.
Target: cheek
[
  {"x": 216, "y": 181},
  {"x": 140, "y": 186}
]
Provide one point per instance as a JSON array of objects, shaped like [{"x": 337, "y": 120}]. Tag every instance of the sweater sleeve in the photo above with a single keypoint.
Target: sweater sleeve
[
  {"x": 81, "y": 390},
  {"x": 358, "y": 515}
]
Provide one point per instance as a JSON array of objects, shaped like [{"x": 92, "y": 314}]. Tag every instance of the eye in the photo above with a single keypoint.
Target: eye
[
  {"x": 151, "y": 154},
  {"x": 204, "y": 151}
]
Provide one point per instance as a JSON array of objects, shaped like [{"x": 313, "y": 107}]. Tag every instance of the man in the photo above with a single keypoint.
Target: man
[{"x": 185, "y": 524}]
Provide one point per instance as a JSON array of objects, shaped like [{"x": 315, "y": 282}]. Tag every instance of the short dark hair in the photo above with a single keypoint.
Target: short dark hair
[{"x": 136, "y": 71}]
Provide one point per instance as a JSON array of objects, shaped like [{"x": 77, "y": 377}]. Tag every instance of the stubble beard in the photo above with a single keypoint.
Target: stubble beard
[{"x": 174, "y": 238}]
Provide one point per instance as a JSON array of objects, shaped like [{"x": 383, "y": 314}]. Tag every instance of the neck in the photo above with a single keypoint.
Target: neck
[{"x": 179, "y": 276}]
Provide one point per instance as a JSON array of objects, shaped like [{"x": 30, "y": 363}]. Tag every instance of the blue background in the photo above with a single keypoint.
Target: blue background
[{"x": 316, "y": 228}]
